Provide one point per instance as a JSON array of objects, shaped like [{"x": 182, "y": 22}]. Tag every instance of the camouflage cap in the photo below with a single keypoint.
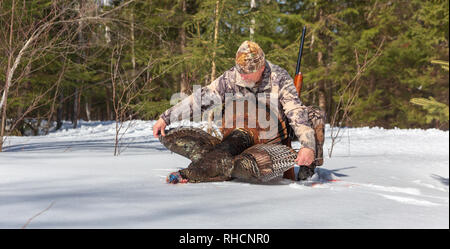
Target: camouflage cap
[{"x": 249, "y": 58}]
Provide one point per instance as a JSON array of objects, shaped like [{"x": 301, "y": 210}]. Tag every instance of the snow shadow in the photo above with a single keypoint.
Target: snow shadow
[
  {"x": 330, "y": 174},
  {"x": 115, "y": 204},
  {"x": 321, "y": 174},
  {"x": 91, "y": 145},
  {"x": 441, "y": 179}
]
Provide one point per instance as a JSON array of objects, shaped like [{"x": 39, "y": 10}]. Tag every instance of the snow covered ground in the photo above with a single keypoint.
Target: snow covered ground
[{"x": 376, "y": 178}]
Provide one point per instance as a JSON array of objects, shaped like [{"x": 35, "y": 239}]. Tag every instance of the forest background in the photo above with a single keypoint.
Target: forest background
[{"x": 365, "y": 63}]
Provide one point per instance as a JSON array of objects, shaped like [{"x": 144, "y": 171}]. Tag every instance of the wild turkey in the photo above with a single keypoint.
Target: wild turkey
[{"x": 235, "y": 157}]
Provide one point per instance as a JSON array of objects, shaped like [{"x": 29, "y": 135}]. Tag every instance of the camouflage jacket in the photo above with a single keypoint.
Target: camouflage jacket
[{"x": 275, "y": 80}]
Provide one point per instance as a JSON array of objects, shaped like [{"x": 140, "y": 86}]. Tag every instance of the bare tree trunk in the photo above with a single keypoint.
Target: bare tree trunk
[
  {"x": 68, "y": 111},
  {"x": 60, "y": 110},
  {"x": 133, "y": 55},
  {"x": 184, "y": 85},
  {"x": 322, "y": 95},
  {"x": 252, "y": 21},
  {"x": 20, "y": 125},
  {"x": 213, "y": 69},
  {"x": 76, "y": 106},
  {"x": 80, "y": 91},
  {"x": 55, "y": 97},
  {"x": 313, "y": 95},
  {"x": 216, "y": 35},
  {"x": 4, "y": 100},
  {"x": 330, "y": 105},
  {"x": 88, "y": 111},
  {"x": 109, "y": 115}
]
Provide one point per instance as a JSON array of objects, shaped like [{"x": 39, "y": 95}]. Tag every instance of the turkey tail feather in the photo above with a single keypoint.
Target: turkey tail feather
[{"x": 263, "y": 162}]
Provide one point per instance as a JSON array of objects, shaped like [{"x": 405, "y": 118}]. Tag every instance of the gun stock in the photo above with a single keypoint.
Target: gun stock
[{"x": 298, "y": 82}]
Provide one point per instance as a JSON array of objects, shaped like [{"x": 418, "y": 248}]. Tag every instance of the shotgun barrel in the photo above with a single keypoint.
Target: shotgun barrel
[
  {"x": 298, "y": 79},
  {"x": 300, "y": 52}
]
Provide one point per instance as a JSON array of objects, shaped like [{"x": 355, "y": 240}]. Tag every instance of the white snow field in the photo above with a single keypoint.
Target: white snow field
[{"x": 376, "y": 178}]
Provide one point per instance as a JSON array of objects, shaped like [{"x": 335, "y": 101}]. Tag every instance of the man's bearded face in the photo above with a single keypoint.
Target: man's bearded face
[{"x": 252, "y": 78}]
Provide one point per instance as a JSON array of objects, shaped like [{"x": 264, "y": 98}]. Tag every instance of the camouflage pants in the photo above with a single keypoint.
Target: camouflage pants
[{"x": 316, "y": 119}]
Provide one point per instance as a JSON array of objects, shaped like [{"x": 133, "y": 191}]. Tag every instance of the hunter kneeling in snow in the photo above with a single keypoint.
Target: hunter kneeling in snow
[{"x": 251, "y": 94}]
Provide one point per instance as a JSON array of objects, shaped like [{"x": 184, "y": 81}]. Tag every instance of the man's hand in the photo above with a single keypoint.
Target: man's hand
[
  {"x": 160, "y": 125},
  {"x": 305, "y": 156}
]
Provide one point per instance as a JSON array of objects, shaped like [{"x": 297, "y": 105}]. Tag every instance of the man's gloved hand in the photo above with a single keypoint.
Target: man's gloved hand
[
  {"x": 175, "y": 177},
  {"x": 305, "y": 157}
]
